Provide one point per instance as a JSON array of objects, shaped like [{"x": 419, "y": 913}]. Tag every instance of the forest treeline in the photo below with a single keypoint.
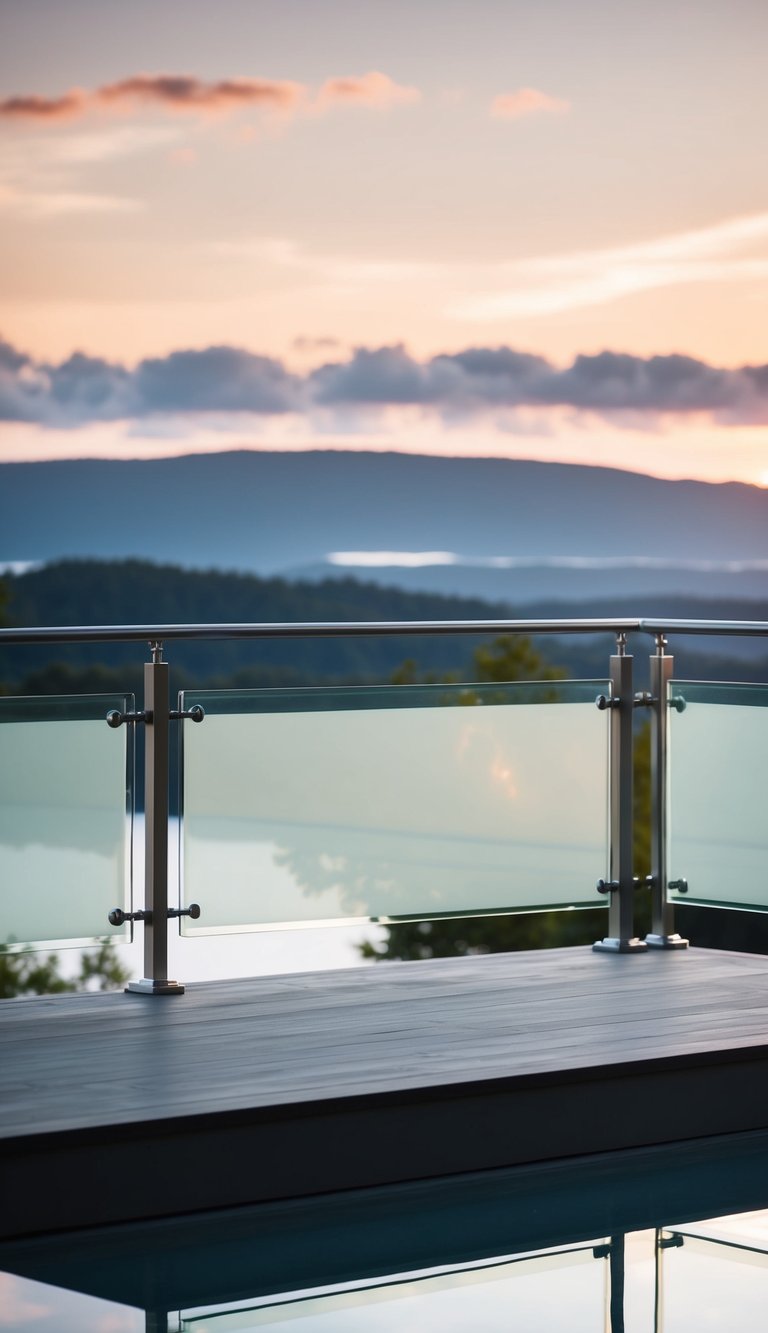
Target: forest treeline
[{"x": 93, "y": 592}]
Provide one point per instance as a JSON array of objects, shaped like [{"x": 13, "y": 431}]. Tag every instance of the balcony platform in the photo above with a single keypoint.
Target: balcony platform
[{"x": 125, "y": 1107}]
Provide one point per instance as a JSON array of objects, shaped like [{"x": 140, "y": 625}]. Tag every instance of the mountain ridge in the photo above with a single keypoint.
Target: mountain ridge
[{"x": 272, "y": 512}]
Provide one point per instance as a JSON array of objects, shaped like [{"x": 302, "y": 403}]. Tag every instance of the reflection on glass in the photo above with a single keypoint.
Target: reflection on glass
[
  {"x": 718, "y": 832},
  {"x": 41, "y": 1308},
  {"x": 410, "y": 801},
  {"x": 714, "y": 1274},
  {"x": 64, "y": 830},
  {"x": 530, "y": 1292},
  {"x": 681, "y": 1278}
]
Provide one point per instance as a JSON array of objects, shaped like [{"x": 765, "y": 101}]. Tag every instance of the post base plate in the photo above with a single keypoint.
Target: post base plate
[
  {"x": 149, "y": 987},
  {"x": 613, "y": 945}
]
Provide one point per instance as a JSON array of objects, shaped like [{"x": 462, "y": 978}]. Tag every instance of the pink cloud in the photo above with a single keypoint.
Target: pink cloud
[
  {"x": 31, "y": 107},
  {"x": 183, "y": 92},
  {"x": 526, "y": 102},
  {"x": 176, "y": 92},
  {"x": 186, "y": 93},
  {"x": 372, "y": 89}
]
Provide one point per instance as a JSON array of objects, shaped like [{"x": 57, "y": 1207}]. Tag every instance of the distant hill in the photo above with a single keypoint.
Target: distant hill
[
  {"x": 574, "y": 580},
  {"x": 272, "y": 512}
]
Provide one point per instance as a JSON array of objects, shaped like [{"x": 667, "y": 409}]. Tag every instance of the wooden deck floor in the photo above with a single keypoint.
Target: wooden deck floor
[{"x": 119, "y": 1107}]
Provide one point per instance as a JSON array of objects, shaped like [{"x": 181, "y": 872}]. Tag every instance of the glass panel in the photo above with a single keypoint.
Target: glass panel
[
  {"x": 304, "y": 806},
  {"x": 525, "y": 1292},
  {"x": 40, "y": 1307},
  {"x": 65, "y": 804},
  {"x": 718, "y": 792},
  {"x": 714, "y": 1274}
]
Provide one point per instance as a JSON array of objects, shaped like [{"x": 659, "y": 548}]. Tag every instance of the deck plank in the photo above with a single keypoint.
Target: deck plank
[{"x": 452, "y": 1065}]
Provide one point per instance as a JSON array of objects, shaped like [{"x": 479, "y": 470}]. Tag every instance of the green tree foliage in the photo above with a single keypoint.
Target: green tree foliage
[
  {"x": 25, "y": 972},
  {"x": 512, "y": 657}
]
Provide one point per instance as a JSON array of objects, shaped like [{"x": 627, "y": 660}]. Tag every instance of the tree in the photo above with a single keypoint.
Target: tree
[{"x": 25, "y": 972}]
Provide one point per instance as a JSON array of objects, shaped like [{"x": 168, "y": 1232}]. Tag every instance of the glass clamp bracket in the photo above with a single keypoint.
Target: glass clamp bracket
[
  {"x": 117, "y": 917},
  {"x": 604, "y": 701},
  {"x": 611, "y": 885},
  {"x": 116, "y": 719}
]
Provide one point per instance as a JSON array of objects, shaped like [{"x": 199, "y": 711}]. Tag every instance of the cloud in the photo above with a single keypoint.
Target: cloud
[
  {"x": 551, "y": 284},
  {"x": 526, "y": 102},
  {"x": 387, "y": 376},
  {"x": 39, "y": 177},
  {"x": 174, "y": 92},
  {"x": 222, "y": 382},
  {"x": 216, "y": 379},
  {"x": 31, "y": 107},
  {"x": 86, "y": 389},
  {"x": 185, "y": 93},
  {"x": 483, "y": 379},
  {"x": 373, "y": 89}
]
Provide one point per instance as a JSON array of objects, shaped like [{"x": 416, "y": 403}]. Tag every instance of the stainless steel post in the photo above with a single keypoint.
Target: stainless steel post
[
  {"x": 157, "y": 711},
  {"x": 621, "y": 886},
  {"x": 663, "y": 934}
]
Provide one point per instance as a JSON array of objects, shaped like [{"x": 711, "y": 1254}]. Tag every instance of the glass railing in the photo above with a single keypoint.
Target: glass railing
[
  {"x": 534, "y": 1289},
  {"x": 718, "y": 780},
  {"x": 400, "y": 802},
  {"x": 379, "y": 803},
  {"x": 66, "y": 807}
]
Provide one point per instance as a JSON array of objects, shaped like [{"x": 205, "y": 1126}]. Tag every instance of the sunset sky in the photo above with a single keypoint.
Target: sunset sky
[{"x": 533, "y": 228}]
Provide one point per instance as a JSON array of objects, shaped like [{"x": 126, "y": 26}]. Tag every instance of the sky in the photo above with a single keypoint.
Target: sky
[{"x": 527, "y": 228}]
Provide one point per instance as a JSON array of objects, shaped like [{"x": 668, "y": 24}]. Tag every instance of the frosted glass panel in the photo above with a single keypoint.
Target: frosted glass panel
[
  {"x": 349, "y": 804},
  {"x": 524, "y": 1293},
  {"x": 64, "y": 827},
  {"x": 718, "y": 794}
]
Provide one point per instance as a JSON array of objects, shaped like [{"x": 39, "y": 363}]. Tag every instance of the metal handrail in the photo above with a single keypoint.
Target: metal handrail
[
  {"x": 355, "y": 628},
  {"x": 307, "y": 629}
]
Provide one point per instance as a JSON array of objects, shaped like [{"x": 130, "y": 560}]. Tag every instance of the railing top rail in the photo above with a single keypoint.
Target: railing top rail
[
  {"x": 308, "y": 629},
  {"x": 357, "y": 628},
  {"x": 714, "y": 627}
]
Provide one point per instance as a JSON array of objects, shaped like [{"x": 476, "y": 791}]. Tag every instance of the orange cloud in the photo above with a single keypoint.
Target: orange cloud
[
  {"x": 73, "y": 103},
  {"x": 371, "y": 89},
  {"x": 185, "y": 93},
  {"x": 526, "y": 102},
  {"x": 177, "y": 92}
]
